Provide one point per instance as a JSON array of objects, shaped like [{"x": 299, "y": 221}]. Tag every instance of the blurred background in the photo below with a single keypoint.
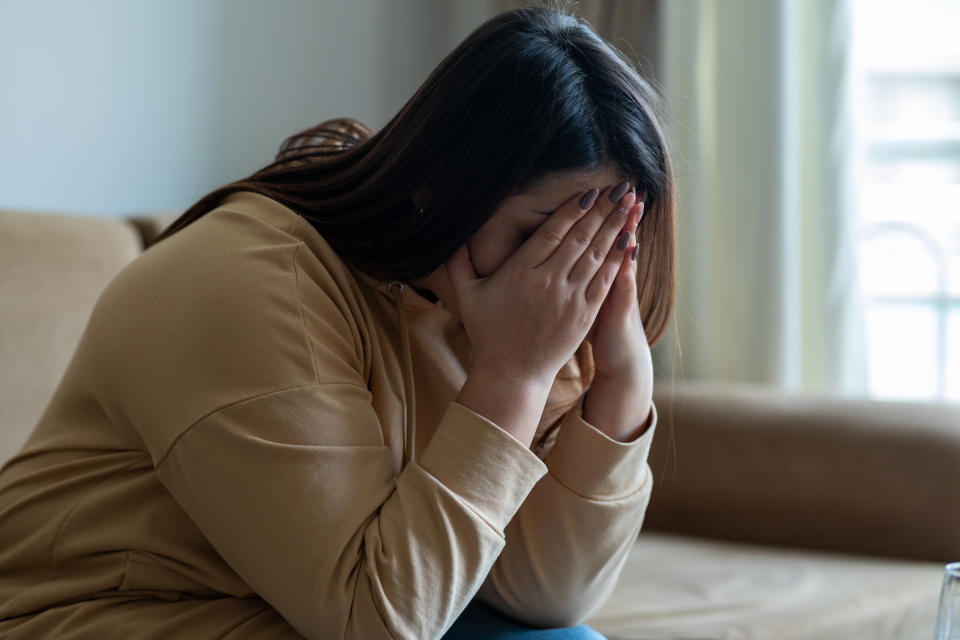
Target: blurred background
[{"x": 816, "y": 146}]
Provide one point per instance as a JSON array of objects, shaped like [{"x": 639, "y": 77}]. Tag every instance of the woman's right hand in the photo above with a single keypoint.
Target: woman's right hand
[{"x": 527, "y": 319}]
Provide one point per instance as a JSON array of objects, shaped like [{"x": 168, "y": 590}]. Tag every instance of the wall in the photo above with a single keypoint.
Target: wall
[{"x": 109, "y": 107}]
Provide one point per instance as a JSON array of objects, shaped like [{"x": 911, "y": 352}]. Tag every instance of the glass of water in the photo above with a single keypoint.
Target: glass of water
[{"x": 948, "y": 620}]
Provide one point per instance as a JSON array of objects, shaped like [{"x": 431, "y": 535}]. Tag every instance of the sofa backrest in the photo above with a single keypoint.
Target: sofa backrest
[
  {"x": 760, "y": 464},
  {"x": 52, "y": 270}
]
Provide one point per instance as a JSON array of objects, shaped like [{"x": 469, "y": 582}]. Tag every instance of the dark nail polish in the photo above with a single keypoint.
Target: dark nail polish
[
  {"x": 589, "y": 198},
  {"x": 633, "y": 254},
  {"x": 619, "y": 191},
  {"x": 623, "y": 240}
]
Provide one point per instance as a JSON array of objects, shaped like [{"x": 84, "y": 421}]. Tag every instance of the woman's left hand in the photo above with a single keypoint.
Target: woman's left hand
[
  {"x": 620, "y": 348},
  {"x": 619, "y": 401}
]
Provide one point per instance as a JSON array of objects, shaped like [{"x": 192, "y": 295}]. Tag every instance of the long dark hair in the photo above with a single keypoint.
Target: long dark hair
[{"x": 529, "y": 92}]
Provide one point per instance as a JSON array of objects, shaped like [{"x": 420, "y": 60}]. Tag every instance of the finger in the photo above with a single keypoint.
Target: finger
[
  {"x": 637, "y": 216},
  {"x": 581, "y": 239},
  {"x": 633, "y": 251},
  {"x": 629, "y": 274},
  {"x": 623, "y": 292},
  {"x": 629, "y": 267},
  {"x": 591, "y": 260},
  {"x": 460, "y": 269},
  {"x": 633, "y": 221},
  {"x": 624, "y": 284},
  {"x": 550, "y": 235},
  {"x": 627, "y": 278},
  {"x": 598, "y": 287}
]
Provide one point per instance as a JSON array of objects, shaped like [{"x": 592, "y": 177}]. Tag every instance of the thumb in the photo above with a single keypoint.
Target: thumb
[{"x": 460, "y": 268}]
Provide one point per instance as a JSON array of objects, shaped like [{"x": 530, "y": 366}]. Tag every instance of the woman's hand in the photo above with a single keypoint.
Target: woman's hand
[
  {"x": 620, "y": 348},
  {"x": 527, "y": 319},
  {"x": 620, "y": 398}
]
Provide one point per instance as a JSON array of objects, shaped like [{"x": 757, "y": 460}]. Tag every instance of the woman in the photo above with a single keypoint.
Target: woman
[{"x": 389, "y": 386}]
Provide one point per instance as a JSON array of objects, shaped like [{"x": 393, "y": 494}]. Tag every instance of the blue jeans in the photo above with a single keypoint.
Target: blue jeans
[{"x": 480, "y": 621}]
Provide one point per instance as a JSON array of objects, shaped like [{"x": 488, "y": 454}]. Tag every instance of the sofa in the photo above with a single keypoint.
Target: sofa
[{"x": 774, "y": 515}]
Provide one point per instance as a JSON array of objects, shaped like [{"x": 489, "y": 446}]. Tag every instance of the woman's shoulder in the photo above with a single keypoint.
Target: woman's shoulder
[
  {"x": 251, "y": 262},
  {"x": 247, "y": 242},
  {"x": 228, "y": 276},
  {"x": 250, "y": 219},
  {"x": 242, "y": 245},
  {"x": 215, "y": 313}
]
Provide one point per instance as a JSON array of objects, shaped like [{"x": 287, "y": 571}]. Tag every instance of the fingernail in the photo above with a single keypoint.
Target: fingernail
[
  {"x": 640, "y": 215},
  {"x": 623, "y": 240},
  {"x": 589, "y": 198},
  {"x": 619, "y": 191},
  {"x": 633, "y": 254}
]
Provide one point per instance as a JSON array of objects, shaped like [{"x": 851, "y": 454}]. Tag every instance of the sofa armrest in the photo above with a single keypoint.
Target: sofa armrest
[{"x": 763, "y": 465}]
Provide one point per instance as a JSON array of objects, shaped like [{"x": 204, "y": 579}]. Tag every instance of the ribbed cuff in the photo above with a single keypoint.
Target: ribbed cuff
[
  {"x": 483, "y": 464},
  {"x": 594, "y": 465}
]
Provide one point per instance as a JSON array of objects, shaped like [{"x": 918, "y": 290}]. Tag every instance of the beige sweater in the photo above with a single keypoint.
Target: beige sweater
[{"x": 255, "y": 439}]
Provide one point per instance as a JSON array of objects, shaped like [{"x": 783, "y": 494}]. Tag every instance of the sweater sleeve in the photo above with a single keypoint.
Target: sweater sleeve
[
  {"x": 296, "y": 491},
  {"x": 266, "y": 435},
  {"x": 568, "y": 542},
  {"x": 268, "y": 439}
]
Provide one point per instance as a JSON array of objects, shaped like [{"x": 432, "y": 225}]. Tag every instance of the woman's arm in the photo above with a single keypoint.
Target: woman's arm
[
  {"x": 265, "y": 434},
  {"x": 296, "y": 491},
  {"x": 619, "y": 408},
  {"x": 567, "y": 543}
]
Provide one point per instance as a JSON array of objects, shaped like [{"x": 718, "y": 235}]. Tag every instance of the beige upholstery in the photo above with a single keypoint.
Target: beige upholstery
[
  {"x": 745, "y": 463},
  {"x": 807, "y": 473},
  {"x": 682, "y": 587},
  {"x": 53, "y": 269}
]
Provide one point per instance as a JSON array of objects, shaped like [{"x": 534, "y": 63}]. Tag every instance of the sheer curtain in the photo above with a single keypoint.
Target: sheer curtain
[{"x": 759, "y": 108}]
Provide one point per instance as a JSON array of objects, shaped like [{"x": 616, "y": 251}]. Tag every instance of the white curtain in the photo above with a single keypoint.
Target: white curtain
[{"x": 758, "y": 104}]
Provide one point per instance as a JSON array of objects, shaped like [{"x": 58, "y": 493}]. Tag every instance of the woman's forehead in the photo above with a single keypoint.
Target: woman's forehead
[{"x": 575, "y": 180}]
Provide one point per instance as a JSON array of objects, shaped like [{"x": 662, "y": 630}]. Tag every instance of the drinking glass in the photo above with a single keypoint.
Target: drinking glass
[{"x": 948, "y": 620}]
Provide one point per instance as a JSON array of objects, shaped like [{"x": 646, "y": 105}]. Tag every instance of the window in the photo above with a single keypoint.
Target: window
[{"x": 907, "y": 82}]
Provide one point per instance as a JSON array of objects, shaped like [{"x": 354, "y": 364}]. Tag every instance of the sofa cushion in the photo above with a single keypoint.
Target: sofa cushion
[
  {"x": 684, "y": 587},
  {"x": 54, "y": 268}
]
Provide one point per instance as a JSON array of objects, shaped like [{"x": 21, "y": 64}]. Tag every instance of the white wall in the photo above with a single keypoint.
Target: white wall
[{"x": 109, "y": 107}]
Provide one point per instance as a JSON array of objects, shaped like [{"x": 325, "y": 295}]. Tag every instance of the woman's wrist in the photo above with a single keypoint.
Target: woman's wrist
[
  {"x": 621, "y": 408},
  {"x": 514, "y": 404}
]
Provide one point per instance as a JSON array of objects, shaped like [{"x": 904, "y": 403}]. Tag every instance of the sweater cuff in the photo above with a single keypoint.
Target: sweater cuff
[
  {"x": 594, "y": 465},
  {"x": 483, "y": 464}
]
